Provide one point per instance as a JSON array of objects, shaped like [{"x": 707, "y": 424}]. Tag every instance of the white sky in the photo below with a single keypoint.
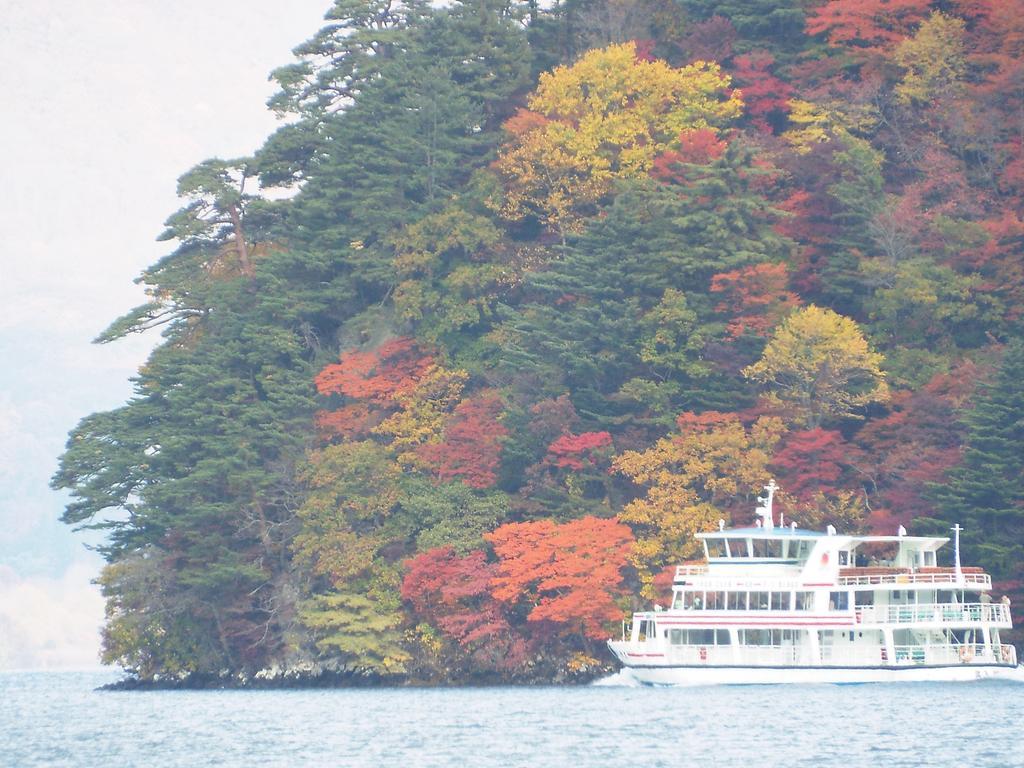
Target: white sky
[{"x": 104, "y": 104}]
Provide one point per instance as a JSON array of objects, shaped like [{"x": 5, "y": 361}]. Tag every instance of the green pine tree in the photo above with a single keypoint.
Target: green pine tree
[{"x": 985, "y": 492}]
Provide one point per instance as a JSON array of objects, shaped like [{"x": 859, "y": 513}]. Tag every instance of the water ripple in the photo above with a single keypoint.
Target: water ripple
[{"x": 59, "y": 719}]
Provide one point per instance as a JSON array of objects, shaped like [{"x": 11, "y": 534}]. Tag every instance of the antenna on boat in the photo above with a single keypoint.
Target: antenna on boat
[
  {"x": 765, "y": 510},
  {"x": 956, "y": 552}
]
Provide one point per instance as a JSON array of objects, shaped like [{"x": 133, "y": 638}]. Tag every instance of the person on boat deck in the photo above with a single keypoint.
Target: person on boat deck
[{"x": 696, "y": 603}]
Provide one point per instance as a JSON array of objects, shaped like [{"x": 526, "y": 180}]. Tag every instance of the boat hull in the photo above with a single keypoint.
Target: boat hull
[{"x": 737, "y": 675}]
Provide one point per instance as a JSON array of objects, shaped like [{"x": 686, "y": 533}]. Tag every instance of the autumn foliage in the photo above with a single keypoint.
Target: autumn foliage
[
  {"x": 471, "y": 392},
  {"x": 577, "y": 451},
  {"x": 453, "y": 593},
  {"x": 375, "y": 375},
  {"x": 756, "y": 298},
  {"x": 471, "y": 447},
  {"x": 570, "y": 574}
]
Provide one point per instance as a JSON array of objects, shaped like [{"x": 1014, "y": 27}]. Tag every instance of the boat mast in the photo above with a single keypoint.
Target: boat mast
[
  {"x": 765, "y": 510},
  {"x": 956, "y": 553}
]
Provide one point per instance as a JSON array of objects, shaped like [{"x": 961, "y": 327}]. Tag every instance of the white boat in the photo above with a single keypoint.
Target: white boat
[{"x": 778, "y": 604}]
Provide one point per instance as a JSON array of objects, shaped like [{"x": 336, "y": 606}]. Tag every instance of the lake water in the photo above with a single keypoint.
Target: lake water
[{"x": 59, "y": 719}]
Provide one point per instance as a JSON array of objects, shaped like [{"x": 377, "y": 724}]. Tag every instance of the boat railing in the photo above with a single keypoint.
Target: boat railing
[
  {"x": 935, "y": 613},
  {"x": 903, "y": 655},
  {"x": 975, "y": 579},
  {"x": 948, "y": 654}
]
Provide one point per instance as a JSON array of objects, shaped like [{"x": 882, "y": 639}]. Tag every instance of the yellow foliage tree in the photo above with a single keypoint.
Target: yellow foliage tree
[
  {"x": 605, "y": 117},
  {"x": 819, "y": 366},
  {"x": 934, "y": 59},
  {"x": 423, "y": 411},
  {"x": 691, "y": 478},
  {"x": 810, "y": 123}
]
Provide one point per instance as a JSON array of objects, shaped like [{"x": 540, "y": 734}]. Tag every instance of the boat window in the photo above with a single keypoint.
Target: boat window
[
  {"x": 759, "y": 547},
  {"x": 694, "y": 636},
  {"x": 768, "y": 636},
  {"x": 774, "y": 547},
  {"x": 839, "y": 601},
  {"x": 715, "y": 601},
  {"x": 755, "y": 637},
  {"x": 929, "y": 558},
  {"x": 722, "y": 637},
  {"x": 943, "y": 596},
  {"x": 643, "y": 631},
  {"x": 804, "y": 601},
  {"x": 701, "y": 636},
  {"x": 863, "y": 598},
  {"x": 844, "y": 557},
  {"x": 738, "y": 548},
  {"x": 800, "y": 549},
  {"x": 780, "y": 601},
  {"x": 759, "y": 601},
  {"x": 716, "y": 547},
  {"x": 737, "y": 601}
]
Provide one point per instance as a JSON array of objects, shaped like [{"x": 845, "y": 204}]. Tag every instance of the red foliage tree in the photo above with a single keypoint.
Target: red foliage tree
[
  {"x": 453, "y": 594},
  {"x": 376, "y": 375},
  {"x": 810, "y": 462},
  {"x": 813, "y": 220},
  {"x": 902, "y": 453},
  {"x": 764, "y": 94},
  {"x": 571, "y": 574},
  {"x": 870, "y": 24},
  {"x": 471, "y": 448},
  {"x": 757, "y": 297},
  {"x": 577, "y": 451}
]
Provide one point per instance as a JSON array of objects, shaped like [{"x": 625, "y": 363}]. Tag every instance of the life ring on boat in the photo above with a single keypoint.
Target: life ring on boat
[
  {"x": 703, "y": 653},
  {"x": 1004, "y": 652},
  {"x": 966, "y": 654}
]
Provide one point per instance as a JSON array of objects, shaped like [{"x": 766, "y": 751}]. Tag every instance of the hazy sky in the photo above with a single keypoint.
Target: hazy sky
[{"x": 105, "y": 104}]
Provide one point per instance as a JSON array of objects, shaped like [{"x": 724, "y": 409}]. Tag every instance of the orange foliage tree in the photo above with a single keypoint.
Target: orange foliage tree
[
  {"x": 377, "y": 375},
  {"x": 374, "y": 377},
  {"x": 571, "y": 574}
]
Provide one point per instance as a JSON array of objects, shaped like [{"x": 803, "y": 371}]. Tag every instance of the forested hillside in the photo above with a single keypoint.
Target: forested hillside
[{"x": 518, "y": 299}]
